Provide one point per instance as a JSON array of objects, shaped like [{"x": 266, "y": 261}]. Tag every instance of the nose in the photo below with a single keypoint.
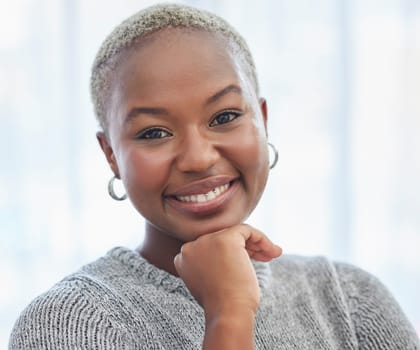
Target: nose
[{"x": 197, "y": 153}]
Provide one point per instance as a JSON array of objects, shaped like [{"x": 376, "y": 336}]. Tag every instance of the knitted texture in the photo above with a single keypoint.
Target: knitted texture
[
  {"x": 151, "y": 20},
  {"x": 122, "y": 302}
]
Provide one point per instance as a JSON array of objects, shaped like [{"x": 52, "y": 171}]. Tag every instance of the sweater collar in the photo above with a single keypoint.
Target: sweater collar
[{"x": 160, "y": 278}]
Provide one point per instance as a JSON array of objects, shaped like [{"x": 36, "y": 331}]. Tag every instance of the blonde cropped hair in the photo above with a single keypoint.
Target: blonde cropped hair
[{"x": 151, "y": 20}]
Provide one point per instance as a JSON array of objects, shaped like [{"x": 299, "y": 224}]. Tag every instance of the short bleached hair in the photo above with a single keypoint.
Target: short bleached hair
[{"x": 151, "y": 20}]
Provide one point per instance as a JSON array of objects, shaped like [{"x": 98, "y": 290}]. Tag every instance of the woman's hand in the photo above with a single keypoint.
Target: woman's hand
[{"x": 217, "y": 270}]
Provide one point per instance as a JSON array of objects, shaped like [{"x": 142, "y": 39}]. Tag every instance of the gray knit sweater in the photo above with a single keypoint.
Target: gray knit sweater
[{"x": 122, "y": 302}]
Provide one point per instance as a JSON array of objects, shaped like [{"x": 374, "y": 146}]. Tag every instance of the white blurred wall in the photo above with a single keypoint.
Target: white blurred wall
[{"x": 342, "y": 80}]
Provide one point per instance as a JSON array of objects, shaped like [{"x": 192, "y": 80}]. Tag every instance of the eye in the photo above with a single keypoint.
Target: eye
[
  {"x": 224, "y": 117},
  {"x": 153, "y": 133}
]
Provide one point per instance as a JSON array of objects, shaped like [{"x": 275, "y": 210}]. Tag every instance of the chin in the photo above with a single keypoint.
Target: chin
[{"x": 202, "y": 228}]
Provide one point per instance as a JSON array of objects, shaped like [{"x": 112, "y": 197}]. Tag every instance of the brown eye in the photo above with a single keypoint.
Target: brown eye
[
  {"x": 154, "y": 133},
  {"x": 224, "y": 117}
]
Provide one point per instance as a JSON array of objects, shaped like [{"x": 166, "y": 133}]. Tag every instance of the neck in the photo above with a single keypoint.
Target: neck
[{"x": 159, "y": 249}]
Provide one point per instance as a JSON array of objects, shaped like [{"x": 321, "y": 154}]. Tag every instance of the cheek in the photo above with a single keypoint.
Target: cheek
[
  {"x": 249, "y": 150},
  {"x": 250, "y": 155},
  {"x": 144, "y": 171}
]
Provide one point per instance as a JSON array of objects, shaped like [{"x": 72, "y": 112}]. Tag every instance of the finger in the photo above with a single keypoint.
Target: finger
[
  {"x": 264, "y": 256},
  {"x": 269, "y": 249},
  {"x": 177, "y": 262},
  {"x": 251, "y": 234},
  {"x": 259, "y": 244},
  {"x": 273, "y": 252}
]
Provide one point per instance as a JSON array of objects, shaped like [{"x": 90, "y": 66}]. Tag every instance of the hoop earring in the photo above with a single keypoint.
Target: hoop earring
[
  {"x": 112, "y": 192},
  {"x": 276, "y": 155}
]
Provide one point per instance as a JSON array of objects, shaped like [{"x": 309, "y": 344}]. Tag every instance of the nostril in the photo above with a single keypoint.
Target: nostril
[{"x": 197, "y": 156}]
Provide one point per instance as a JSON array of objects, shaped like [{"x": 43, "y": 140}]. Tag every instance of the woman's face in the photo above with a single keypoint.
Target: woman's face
[{"x": 187, "y": 134}]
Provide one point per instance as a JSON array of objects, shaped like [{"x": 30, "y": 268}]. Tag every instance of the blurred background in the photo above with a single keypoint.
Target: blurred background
[{"x": 342, "y": 80}]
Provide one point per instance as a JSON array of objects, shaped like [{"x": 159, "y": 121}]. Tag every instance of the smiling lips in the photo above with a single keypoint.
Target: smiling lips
[{"x": 204, "y": 196}]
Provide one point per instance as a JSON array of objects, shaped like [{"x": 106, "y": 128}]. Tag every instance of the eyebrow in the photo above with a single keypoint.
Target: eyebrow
[
  {"x": 144, "y": 110},
  {"x": 162, "y": 111},
  {"x": 228, "y": 89}
]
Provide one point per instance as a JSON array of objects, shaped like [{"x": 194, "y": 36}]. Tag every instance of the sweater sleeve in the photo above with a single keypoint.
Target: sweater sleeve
[
  {"x": 69, "y": 316},
  {"x": 378, "y": 320}
]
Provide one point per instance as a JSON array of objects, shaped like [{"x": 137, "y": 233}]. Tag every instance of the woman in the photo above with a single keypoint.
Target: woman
[{"x": 183, "y": 126}]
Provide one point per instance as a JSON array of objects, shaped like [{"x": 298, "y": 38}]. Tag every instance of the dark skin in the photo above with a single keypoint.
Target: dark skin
[
  {"x": 187, "y": 136},
  {"x": 155, "y": 248}
]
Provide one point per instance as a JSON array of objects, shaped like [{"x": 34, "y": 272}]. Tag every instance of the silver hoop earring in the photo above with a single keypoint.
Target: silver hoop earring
[
  {"x": 112, "y": 192},
  {"x": 276, "y": 155}
]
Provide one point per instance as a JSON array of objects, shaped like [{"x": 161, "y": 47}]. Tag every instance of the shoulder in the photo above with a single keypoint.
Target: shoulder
[
  {"x": 115, "y": 302},
  {"x": 376, "y": 317},
  {"x": 74, "y": 313},
  {"x": 353, "y": 281},
  {"x": 375, "y": 312},
  {"x": 313, "y": 271}
]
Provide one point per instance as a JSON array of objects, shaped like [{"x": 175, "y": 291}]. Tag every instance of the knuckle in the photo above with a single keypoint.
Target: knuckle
[
  {"x": 186, "y": 248},
  {"x": 177, "y": 261}
]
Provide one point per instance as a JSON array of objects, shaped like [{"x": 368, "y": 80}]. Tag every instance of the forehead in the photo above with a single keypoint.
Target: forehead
[
  {"x": 177, "y": 40},
  {"x": 177, "y": 60}
]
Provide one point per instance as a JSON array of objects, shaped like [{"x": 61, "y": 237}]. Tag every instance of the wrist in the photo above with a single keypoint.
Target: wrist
[
  {"x": 231, "y": 329},
  {"x": 229, "y": 313}
]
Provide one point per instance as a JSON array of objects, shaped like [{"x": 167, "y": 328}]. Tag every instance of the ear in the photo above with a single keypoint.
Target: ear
[
  {"x": 263, "y": 107},
  {"x": 108, "y": 151}
]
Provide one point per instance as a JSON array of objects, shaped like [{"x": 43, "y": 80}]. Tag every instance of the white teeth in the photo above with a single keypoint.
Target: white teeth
[
  {"x": 201, "y": 198},
  {"x": 204, "y": 197},
  {"x": 211, "y": 195}
]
